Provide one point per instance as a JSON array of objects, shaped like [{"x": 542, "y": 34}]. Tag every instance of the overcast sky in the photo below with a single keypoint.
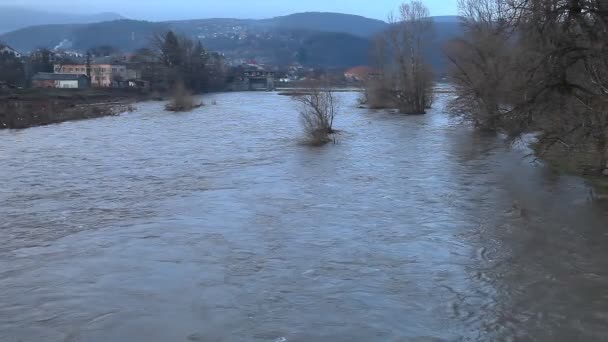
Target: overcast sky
[{"x": 194, "y": 9}]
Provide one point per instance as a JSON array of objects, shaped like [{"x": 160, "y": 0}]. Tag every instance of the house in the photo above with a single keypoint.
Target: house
[
  {"x": 9, "y": 50},
  {"x": 361, "y": 73},
  {"x": 258, "y": 78},
  {"x": 64, "y": 81},
  {"x": 102, "y": 75}
]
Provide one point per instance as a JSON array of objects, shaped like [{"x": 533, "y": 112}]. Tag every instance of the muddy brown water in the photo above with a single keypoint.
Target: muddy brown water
[{"x": 217, "y": 225}]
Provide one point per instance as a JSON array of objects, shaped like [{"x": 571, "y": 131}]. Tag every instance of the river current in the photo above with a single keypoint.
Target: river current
[{"x": 219, "y": 225}]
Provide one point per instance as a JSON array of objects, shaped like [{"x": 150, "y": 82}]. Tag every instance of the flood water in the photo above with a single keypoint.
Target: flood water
[{"x": 218, "y": 225}]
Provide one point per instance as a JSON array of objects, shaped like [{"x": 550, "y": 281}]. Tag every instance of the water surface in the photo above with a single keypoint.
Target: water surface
[{"x": 217, "y": 225}]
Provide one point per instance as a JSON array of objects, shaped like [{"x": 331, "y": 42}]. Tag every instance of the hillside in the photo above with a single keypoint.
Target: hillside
[
  {"x": 127, "y": 35},
  {"x": 30, "y": 38},
  {"x": 14, "y": 18},
  {"x": 317, "y": 39},
  {"x": 444, "y": 32},
  {"x": 334, "y": 50},
  {"x": 329, "y": 22}
]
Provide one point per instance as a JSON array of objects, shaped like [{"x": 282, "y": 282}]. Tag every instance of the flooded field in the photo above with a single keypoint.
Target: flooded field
[{"x": 217, "y": 225}]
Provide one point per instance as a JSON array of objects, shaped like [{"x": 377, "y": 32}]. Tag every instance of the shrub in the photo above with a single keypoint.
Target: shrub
[
  {"x": 318, "y": 108},
  {"x": 182, "y": 100}
]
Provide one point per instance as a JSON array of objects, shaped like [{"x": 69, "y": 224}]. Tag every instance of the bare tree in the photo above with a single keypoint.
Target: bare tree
[
  {"x": 400, "y": 55},
  {"x": 564, "y": 74},
  {"x": 480, "y": 63},
  {"x": 318, "y": 108},
  {"x": 187, "y": 61},
  {"x": 182, "y": 100},
  {"x": 537, "y": 65}
]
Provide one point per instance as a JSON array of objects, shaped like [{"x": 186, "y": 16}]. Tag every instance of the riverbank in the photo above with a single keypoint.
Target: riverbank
[
  {"x": 25, "y": 108},
  {"x": 581, "y": 160}
]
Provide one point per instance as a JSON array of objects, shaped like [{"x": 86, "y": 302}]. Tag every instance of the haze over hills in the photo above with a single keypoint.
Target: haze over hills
[
  {"x": 313, "y": 38},
  {"x": 14, "y": 18},
  {"x": 447, "y": 19}
]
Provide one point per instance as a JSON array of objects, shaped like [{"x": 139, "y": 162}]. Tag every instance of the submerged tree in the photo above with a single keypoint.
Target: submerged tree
[
  {"x": 182, "y": 100},
  {"x": 564, "y": 72},
  {"x": 406, "y": 76},
  {"x": 537, "y": 65},
  {"x": 480, "y": 63},
  {"x": 318, "y": 108}
]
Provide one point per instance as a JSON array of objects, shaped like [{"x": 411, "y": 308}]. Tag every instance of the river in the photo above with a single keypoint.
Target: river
[{"x": 218, "y": 225}]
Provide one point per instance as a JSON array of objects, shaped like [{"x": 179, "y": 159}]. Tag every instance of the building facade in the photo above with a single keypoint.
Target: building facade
[
  {"x": 361, "y": 73},
  {"x": 255, "y": 78},
  {"x": 63, "y": 81},
  {"x": 102, "y": 75}
]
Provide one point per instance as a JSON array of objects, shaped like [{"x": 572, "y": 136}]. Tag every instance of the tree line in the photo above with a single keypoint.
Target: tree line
[
  {"x": 173, "y": 59},
  {"x": 16, "y": 71}
]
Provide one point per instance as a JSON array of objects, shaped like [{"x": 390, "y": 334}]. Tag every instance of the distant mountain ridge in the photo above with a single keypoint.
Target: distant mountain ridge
[
  {"x": 14, "y": 18},
  {"x": 313, "y": 38}
]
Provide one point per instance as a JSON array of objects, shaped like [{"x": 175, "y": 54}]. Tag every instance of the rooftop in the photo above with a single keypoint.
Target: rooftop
[
  {"x": 96, "y": 60},
  {"x": 7, "y": 48},
  {"x": 361, "y": 70}
]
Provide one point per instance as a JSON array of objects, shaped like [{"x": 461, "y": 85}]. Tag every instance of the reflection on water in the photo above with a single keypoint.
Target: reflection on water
[{"x": 217, "y": 225}]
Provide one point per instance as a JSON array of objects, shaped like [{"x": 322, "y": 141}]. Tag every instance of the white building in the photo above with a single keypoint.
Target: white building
[{"x": 7, "y": 49}]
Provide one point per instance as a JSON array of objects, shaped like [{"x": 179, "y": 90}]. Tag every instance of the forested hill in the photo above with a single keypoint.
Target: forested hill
[
  {"x": 319, "y": 39},
  {"x": 329, "y": 22}
]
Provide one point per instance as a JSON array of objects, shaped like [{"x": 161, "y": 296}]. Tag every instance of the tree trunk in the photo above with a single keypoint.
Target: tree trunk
[
  {"x": 603, "y": 149},
  {"x": 605, "y": 162}
]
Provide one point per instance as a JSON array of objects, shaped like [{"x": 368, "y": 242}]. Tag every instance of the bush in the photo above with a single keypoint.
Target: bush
[
  {"x": 378, "y": 95},
  {"x": 318, "y": 108},
  {"x": 182, "y": 100}
]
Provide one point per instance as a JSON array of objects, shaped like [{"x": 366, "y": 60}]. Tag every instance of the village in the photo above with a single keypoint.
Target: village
[{"x": 107, "y": 68}]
